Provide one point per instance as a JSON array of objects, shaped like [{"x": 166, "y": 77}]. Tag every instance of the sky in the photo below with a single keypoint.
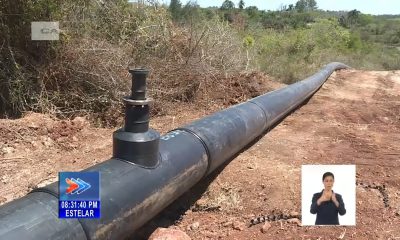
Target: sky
[{"x": 375, "y": 7}]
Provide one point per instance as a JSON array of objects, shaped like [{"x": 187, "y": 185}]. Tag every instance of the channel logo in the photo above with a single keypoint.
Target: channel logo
[
  {"x": 79, "y": 185},
  {"x": 79, "y": 195},
  {"x": 76, "y": 186}
]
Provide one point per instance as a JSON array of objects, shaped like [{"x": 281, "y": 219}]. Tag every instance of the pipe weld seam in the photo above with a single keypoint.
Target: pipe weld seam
[
  {"x": 56, "y": 195},
  {"x": 45, "y": 190},
  {"x": 202, "y": 142},
  {"x": 263, "y": 111},
  {"x": 139, "y": 165}
]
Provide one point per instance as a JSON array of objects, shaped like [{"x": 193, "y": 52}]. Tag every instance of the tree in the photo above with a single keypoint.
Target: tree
[
  {"x": 353, "y": 15},
  {"x": 311, "y": 5},
  {"x": 241, "y": 4},
  {"x": 352, "y": 18},
  {"x": 248, "y": 42},
  {"x": 306, "y": 5},
  {"x": 301, "y": 5},
  {"x": 191, "y": 11},
  {"x": 227, "y": 5},
  {"x": 252, "y": 12},
  {"x": 175, "y": 8}
]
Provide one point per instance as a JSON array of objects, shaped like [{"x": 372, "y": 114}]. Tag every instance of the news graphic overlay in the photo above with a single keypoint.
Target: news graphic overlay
[
  {"x": 79, "y": 195},
  {"x": 45, "y": 31}
]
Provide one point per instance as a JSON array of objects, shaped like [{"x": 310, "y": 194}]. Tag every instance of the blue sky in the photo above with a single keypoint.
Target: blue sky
[{"x": 365, "y": 6}]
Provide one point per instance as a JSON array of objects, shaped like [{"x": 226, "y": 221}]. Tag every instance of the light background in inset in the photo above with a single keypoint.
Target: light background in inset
[{"x": 345, "y": 185}]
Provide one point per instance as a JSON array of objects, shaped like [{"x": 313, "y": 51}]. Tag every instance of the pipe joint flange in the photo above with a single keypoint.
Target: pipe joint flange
[
  {"x": 140, "y": 148},
  {"x": 135, "y": 102}
]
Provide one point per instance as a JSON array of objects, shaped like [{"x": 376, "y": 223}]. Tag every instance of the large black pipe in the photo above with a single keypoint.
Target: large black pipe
[{"x": 131, "y": 194}]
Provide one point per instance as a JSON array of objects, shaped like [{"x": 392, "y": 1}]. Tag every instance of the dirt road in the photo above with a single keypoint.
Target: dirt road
[{"x": 353, "y": 119}]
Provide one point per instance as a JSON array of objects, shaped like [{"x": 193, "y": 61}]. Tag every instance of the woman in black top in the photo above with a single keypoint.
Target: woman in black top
[{"x": 327, "y": 204}]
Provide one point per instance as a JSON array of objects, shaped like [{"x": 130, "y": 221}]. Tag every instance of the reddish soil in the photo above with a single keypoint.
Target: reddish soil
[{"x": 353, "y": 119}]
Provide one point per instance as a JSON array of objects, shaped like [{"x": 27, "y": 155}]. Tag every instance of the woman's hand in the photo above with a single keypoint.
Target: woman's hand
[
  {"x": 335, "y": 201},
  {"x": 326, "y": 196}
]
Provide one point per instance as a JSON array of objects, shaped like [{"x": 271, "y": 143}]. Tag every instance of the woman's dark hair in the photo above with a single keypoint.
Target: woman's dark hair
[{"x": 327, "y": 174}]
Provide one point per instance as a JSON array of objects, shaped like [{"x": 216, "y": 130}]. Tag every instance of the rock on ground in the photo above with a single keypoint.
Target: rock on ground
[{"x": 168, "y": 234}]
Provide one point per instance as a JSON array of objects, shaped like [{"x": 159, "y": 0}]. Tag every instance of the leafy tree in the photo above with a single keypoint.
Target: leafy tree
[
  {"x": 301, "y": 5},
  {"x": 350, "y": 19},
  {"x": 227, "y": 5},
  {"x": 353, "y": 16},
  {"x": 252, "y": 12},
  {"x": 241, "y": 4},
  {"x": 343, "y": 21},
  {"x": 311, "y": 5},
  {"x": 306, "y": 5},
  {"x": 175, "y": 8}
]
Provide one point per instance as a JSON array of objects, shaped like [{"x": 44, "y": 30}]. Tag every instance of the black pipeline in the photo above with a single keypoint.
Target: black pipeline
[{"x": 148, "y": 172}]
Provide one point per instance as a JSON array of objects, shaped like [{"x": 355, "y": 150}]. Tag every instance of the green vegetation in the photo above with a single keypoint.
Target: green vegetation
[
  {"x": 188, "y": 49},
  {"x": 295, "y": 41}
]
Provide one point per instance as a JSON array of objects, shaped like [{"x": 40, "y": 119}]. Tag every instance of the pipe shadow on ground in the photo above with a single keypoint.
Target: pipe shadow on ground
[{"x": 176, "y": 210}]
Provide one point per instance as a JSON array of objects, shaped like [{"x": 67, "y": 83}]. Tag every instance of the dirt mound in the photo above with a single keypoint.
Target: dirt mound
[
  {"x": 205, "y": 90},
  {"x": 241, "y": 87},
  {"x": 208, "y": 89},
  {"x": 37, "y": 146},
  {"x": 35, "y": 131}
]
